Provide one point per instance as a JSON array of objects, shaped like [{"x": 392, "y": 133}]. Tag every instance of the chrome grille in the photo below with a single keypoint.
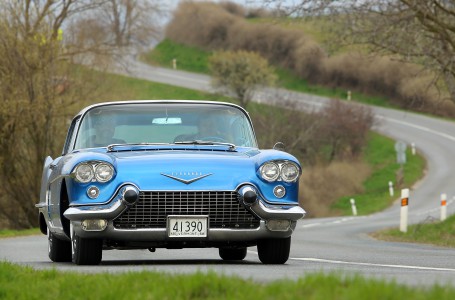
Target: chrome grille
[{"x": 223, "y": 208}]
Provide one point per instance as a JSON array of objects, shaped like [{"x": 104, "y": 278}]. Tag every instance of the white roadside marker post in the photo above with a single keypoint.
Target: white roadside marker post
[
  {"x": 354, "y": 208},
  {"x": 404, "y": 210},
  {"x": 443, "y": 207},
  {"x": 413, "y": 148},
  {"x": 391, "y": 188}
]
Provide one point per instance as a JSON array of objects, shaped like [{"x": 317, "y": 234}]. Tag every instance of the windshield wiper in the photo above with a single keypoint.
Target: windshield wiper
[
  {"x": 201, "y": 142},
  {"x": 112, "y": 146}
]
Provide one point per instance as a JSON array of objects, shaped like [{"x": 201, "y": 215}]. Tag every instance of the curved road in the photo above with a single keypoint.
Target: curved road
[{"x": 337, "y": 244}]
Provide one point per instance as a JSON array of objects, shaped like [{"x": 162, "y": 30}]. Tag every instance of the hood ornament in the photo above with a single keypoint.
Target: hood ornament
[{"x": 186, "y": 181}]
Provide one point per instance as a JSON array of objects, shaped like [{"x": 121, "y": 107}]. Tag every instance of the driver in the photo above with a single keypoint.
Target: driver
[
  {"x": 207, "y": 130},
  {"x": 104, "y": 133}
]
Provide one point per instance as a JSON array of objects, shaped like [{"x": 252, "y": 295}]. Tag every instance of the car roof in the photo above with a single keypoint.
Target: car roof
[{"x": 195, "y": 102}]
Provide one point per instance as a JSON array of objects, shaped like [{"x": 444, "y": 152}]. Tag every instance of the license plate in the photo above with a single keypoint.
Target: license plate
[{"x": 187, "y": 226}]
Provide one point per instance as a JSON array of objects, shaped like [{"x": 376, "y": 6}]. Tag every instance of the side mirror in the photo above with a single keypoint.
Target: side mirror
[{"x": 279, "y": 146}]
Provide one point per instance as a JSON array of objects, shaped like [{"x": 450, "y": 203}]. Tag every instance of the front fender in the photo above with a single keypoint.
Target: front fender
[{"x": 45, "y": 179}]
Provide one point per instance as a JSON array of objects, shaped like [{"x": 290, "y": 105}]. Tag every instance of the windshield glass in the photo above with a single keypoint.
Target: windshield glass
[{"x": 164, "y": 123}]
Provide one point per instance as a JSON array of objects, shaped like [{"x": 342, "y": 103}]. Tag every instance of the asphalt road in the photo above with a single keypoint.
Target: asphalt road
[{"x": 319, "y": 245}]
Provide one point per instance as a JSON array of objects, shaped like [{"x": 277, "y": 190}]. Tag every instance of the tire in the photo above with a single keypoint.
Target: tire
[
  {"x": 58, "y": 250},
  {"x": 85, "y": 251},
  {"x": 274, "y": 251},
  {"x": 232, "y": 253}
]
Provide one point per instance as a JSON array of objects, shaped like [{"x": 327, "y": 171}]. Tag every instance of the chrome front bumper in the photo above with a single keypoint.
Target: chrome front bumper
[
  {"x": 160, "y": 234},
  {"x": 125, "y": 199}
]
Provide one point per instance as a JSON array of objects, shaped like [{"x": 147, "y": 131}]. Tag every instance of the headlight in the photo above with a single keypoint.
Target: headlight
[
  {"x": 270, "y": 171},
  {"x": 84, "y": 173},
  {"x": 280, "y": 170},
  {"x": 93, "y": 171},
  {"x": 289, "y": 172},
  {"x": 104, "y": 172}
]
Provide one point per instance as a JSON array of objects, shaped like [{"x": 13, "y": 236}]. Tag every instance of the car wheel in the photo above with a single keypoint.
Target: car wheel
[
  {"x": 58, "y": 250},
  {"x": 232, "y": 253},
  {"x": 274, "y": 251},
  {"x": 85, "y": 251}
]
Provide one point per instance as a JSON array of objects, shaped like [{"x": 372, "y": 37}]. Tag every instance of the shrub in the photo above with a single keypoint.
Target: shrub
[
  {"x": 200, "y": 24},
  {"x": 241, "y": 73},
  {"x": 233, "y": 8},
  {"x": 337, "y": 132},
  {"x": 345, "y": 129},
  {"x": 321, "y": 186}
]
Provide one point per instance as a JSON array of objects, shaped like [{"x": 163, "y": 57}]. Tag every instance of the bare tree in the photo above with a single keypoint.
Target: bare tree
[
  {"x": 345, "y": 129},
  {"x": 39, "y": 87},
  {"x": 421, "y": 31},
  {"x": 129, "y": 22}
]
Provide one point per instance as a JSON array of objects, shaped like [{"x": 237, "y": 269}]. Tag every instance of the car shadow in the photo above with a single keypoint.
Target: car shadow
[{"x": 156, "y": 262}]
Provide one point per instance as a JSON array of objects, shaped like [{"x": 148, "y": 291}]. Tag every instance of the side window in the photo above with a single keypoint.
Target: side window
[{"x": 70, "y": 136}]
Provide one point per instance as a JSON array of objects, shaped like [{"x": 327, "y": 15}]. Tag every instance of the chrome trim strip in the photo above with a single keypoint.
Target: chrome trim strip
[
  {"x": 60, "y": 177},
  {"x": 95, "y": 212},
  {"x": 186, "y": 181}
]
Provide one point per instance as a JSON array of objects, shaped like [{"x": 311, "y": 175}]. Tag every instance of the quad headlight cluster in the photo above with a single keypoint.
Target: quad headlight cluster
[
  {"x": 286, "y": 171},
  {"x": 93, "y": 171}
]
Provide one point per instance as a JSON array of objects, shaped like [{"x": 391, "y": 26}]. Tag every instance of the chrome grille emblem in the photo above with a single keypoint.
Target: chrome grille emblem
[{"x": 189, "y": 176}]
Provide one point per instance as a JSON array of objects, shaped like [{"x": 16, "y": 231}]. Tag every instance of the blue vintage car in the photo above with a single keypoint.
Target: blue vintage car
[{"x": 167, "y": 174}]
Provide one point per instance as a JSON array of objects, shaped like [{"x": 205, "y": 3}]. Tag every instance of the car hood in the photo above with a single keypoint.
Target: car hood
[{"x": 185, "y": 170}]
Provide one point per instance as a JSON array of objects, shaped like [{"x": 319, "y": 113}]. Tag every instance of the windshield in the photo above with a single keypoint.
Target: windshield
[{"x": 164, "y": 123}]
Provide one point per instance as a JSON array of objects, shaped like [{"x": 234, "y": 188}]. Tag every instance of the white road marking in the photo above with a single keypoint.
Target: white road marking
[
  {"x": 372, "y": 264},
  {"x": 339, "y": 262},
  {"x": 332, "y": 222},
  {"x": 426, "y": 129}
]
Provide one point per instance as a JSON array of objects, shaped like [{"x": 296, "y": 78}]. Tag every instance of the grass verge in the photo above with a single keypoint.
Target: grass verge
[
  {"x": 432, "y": 232},
  {"x": 6, "y": 233},
  {"x": 381, "y": 156},
  {"x": 52, "y": 284},
  {"x": 187, "y": 58}
]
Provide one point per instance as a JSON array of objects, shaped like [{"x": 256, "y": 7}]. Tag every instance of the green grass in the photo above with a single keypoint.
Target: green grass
[
  {"x": 430, "y": 232},
  {"x": 187, "y": 58},
  {"x": 6, "y": 233},
  {"x": 381, "y": 156},
  {"x": 52, "y": 284}
]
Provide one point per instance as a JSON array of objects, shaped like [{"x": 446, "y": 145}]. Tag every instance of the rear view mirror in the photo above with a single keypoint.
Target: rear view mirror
[{"x": 279, "y": 146}]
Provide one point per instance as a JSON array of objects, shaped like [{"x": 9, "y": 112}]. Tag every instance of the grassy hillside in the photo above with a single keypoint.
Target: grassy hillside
[
  {"x": 193, "y": 59},
  {"x": 380, "y": 155}
]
